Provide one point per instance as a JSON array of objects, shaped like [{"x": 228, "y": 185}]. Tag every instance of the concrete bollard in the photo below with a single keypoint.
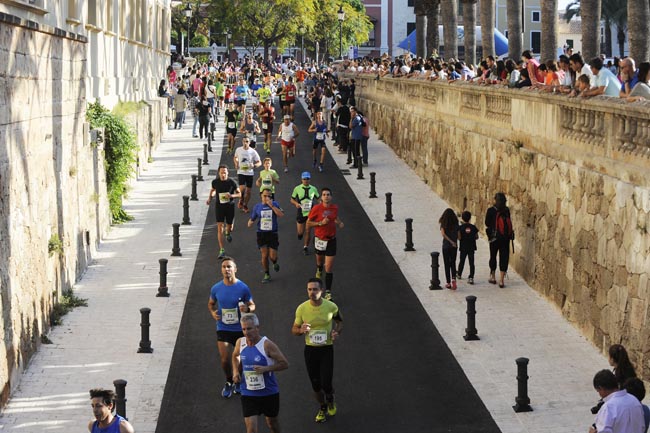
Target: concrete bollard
[
  {"x": 409, "y": 235},
  {"x": 120, "y": 397},
  {"x": 145, "y": 343},
  {"x": 471, "y": 334},
  {"x": 163, "y": 291},
  {"x": 193, "y": 196},
  {"x": 389, "y": 207},
  {"x": 373, "y": 193},
  {"x": 186, "y": 210},
  {"x": 359, "y": 168},
  {"x": 522, "y": 401},
  {"x": 205, "y": 154},
  {"x": 199, "y": 170},
  {"x": 176, "y": 249},
  {"x": 435, "y": 271}
]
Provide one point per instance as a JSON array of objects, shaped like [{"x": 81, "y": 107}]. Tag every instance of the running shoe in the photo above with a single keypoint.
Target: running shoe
[
  {"x": 331, "y": 408},
  {"x": 328, "y": 295},
  {"x": 267, "y": 278},
  {"x": 320, "y": 416},
  {"x": 237, "y": 390},
  {"x": 228, "y": 237},
  {"x": 305, "y": 251},
  {"x": 470, "y": 280},
  {"x": 286, "y": 169},
  {"x": 222, "y": 253},
  {"x": 447, "y": 286},
  {"x": 453, "y": 285},
  {"x": 226, "y": 392},
  {"x": 319, "y": 273},
  {"x": 314, "y": 164},
  {"x": 320, "y": 167},
  {"x": 276, "y": 267}
]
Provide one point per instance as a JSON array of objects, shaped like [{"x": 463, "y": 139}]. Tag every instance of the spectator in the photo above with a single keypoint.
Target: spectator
[
  {"x": 621, "y": 412},
  {"x": 606, "y": 83},
  {"x": 449, "y": 231},
  {"x": 513, "y": 73},
  {"x": 524, "y": 79},
  {"x": 642, "y": 90},
  {"x": 499, "y": 230},
  {"x": 636, "y": 387},
  {"x": 622, "y": 367},
  {"x": 578, "y": 65},
  {"x": 629, "y": 77},
  {"x": 180, "y": 104},
  {"x": 532, "y": 65}
]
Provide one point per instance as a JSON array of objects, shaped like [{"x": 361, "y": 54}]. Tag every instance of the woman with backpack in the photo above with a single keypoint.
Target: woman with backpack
[{"x": 499, "y": 231}]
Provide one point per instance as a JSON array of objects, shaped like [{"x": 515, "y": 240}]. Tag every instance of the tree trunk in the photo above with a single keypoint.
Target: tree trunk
[
  {"x": 638, "y": 16},
  {"x": 590, "y": 12},
  {"x": 433, "y": 38},
  {"x": 469, "y": 26},
  {"x": 515, "y": 40},
  {"x": 421, "y": 35},
  {"x": 487, "y": 27},
  {"x": 608, "y": 38},
  {"x": 549, "y": 30},
  {"x": 449, "y": 17},
  {"x": 621, "y": 44}
]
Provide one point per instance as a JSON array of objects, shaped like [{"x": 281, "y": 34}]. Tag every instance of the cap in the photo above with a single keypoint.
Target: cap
[
  {"x": 305, "y": 175},
  {"x": 286, "y": 116}
]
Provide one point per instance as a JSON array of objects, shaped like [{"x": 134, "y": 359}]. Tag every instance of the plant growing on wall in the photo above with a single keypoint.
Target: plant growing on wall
[
  {"x": 120, "y": 154},
  {"x": 54, "y": 245}
]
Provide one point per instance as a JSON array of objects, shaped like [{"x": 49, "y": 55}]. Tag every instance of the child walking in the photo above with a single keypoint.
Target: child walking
[
  {"x": 467, "y": 234},
  {"x": 449, "y": 231}
]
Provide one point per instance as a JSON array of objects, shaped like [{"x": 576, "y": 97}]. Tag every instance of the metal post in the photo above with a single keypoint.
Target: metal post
[
  {"x": 145, "y": 343},
  {"x": 186, "y": 210},
  {"x": 341, "y": 39},
  {"x": 435, "y": 269},
  {"x": 163, "y": 291},
  {"x": 409, "y": 235},
  {"x": 522, "y": 401},
  {"x": 199, "y": 170},
  {"x": 120, "y": 397},
  {"x": 471, "y": 334},
  {"x": 373, "y": 193},
  {"x": 210, "y": 140},
  {"x": 194, "y": 197},
  {"x": 359, "y": 168},
  {"x": 389, "y": 207},
  {"x": 205, "y": 154},
  {"x": 176, "y": 249}
]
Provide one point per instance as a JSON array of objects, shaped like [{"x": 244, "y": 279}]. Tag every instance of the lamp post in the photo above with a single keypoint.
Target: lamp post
[
  {"x": 188, "y": 14},
  {"x": 341, "y": 16},
  {"x": 227, "y": 34},
  {"x": 302, "y": 44}
]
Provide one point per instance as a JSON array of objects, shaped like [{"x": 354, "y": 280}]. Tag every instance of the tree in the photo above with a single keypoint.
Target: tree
[
  {"x": 612, "y": 12},
  {"x": 448, "y": 10},
  {"x": 590, "y": 11},
  {"x": 638, "y": 16},
  {"x": 549, "y": 30},
  {"x": 469, "y": 27},
  {"x": 515, "y": 41},
  {"x": 433, "y": 37},
  {"x": 420, "y": 9},
  {"x": 487, "y": 27}
]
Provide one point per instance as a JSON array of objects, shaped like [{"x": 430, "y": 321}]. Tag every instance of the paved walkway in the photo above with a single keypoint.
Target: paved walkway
[{"x": 98, "y": 344}]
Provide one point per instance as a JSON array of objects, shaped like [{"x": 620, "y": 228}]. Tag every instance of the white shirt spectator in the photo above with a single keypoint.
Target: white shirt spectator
[
  {"x": 608, "y": 80},
  {"x": 586, "y": 70},
  {"x": 622, "y": 412}
]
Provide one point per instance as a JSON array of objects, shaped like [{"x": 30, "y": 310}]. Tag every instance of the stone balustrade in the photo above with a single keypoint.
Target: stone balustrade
[{"x": 577, "y": 175}]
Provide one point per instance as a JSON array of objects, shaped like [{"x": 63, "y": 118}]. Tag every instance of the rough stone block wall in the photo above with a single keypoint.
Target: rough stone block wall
[{"x": 581, "y": 220}]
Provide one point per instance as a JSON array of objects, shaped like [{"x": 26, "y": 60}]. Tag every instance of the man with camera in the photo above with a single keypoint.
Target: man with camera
[{"x": 621, "y": 412}]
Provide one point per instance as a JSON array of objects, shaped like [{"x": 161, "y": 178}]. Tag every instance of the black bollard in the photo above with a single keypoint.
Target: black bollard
[
  {"x": 359, "y": 168},
  {"x": 409, "y": 235},
  {"x": 163, "y": 291},
  {"x": 435, "y": 269},
  {"x": 193, "y": 196},
  {"x": 373, "y": 193},
  {"x": 176, "y": 249},
  {"x": 389, "y": 207},
  {"x": 205, "y": 154},
  {"x": 522, "y": 401},
  {"x": 186, "y": 210},
  {"x": 145, "y": 343},
  {"x": 471, "y": 334},
  {"x": 209, "y": 142},
  {"x": 120, "y": 397},
  {"x": 199, "y": 170}
]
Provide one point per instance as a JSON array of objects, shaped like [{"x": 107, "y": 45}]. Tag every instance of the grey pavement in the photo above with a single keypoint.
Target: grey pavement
[{"x": 97, "y": 344}]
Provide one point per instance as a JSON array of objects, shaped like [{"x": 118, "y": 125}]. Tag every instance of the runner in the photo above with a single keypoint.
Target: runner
[
  {"x": 267, "y": 116},
  {"x": 102, "y": 402},
  {"x": 231, "y": 116},
  {"x": 246, "y": 160},
  {"x": 266, "y": 214},
  {"x": 319, "y": 126},
  {"x": 320, "y": 321},
  {"x": 250, "y": 128},
  {"x": 255, "y": 88},
  {"x": 290, "y": 93},
  {"x": 221, "y": 93},
  {"x": 258, "y": 358},
  {"x": 288, "y": 132},
  {"x": 324, "y": 217},
  {"x": 268, "y": 177},
  {"x": 242, "y": 92},
  {"x": 225, "y": 189},
  {"x": 228, "y": 299},
  {"x": 303, "y": 198}
]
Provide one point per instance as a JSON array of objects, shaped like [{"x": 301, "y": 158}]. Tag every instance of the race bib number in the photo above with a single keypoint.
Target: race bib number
[
  {"x": 231, "y": 125},
  {"x": 250, "y": 135},
  {"x": 266, "y": 220},
  {"x": 290, "y": 94},
  {"x": 320, "y": 136},
  {"x": 265, "y": 125},
  {"x": 267, "y": 181},
  {"x": 320, "y": 244},
  {"x": 245, "y": 166},
  {"x": 224, "y": 197},
  {"x": 254, "y": 380},
  {"x": 318, "y": 336},
  {"x": 305, "y": 205},
  {"x": 229, "y": 316},
  {"x": 283, "y": 98}
]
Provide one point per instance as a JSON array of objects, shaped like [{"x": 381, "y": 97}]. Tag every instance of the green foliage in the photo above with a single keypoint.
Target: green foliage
[
  {"x": 199, "y": 41},
  {"x": 67, "y": 302},
  {"x": 54, "y": 245},
  {"x": 123, "y": 109},
  {"x": 120, "y": 154}
]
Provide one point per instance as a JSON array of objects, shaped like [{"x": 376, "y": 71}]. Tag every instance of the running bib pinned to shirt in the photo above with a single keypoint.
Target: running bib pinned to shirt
[
  {"x": 229, "y": 316},
  {"x": 318, "y": 336},
  {"x": 320, "y": 244},
  {"x": 224, "y": 197},
  {"x": 231, "y": 125},
  {"x": 320, "y": 136},
  {"x": 254, "y": 380},
  {"x": 305, "y": 205},
  {"x": 265, "y": 125},
  {"x": 245, "y": 166},
  {"x": 266, "y": 220}
]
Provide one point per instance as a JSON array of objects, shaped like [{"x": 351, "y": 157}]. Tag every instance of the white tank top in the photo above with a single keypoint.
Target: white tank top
[{"x": 287, "y": 131}]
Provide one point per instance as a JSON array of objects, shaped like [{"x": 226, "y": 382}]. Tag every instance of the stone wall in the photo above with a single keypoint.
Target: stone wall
[{"x": 577, "y": 176}]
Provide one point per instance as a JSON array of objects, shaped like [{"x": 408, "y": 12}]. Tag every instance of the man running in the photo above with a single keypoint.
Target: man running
[
  {"x": 287, "y": 134},
  {"x": 268, "y": 177},
  {"x": 228, "y": 299},
  {"x": 225, "y": 189},
  {"x": 242, "y": 92},
  {"x": 102, "y": 402},
  {"x": 250, "y": 128},
  {"x": 230, "y": 117},
  {"x": 303, "y": 198},
  {"x": 319, "y": 126},
  {"x": 324, "y": 217},
  {"x": 246, "y": 160},
  {"x": 266, "y": 214},
  {"x": 290, "y": 93},
  {"x": 267, "y": 116},
  {"x": 259, "y": 359},
  {"x": 320, "y": 321}
]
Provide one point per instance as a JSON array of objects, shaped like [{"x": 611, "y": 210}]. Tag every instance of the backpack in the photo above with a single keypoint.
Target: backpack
[{"x": 503, "y": 225}]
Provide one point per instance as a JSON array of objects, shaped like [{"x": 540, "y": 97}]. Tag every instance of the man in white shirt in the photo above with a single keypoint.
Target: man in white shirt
[
  {"x": 606, "y": 83},
  {"x": 621, "y": 412}
]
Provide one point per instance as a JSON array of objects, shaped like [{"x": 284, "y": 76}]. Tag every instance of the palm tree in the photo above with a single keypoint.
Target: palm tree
[
  {"x": 590, "y": 11},
  {"x": 420, "y": 28},
  {"x": 612, "y": 12},
  {"x": 487, "y": 27},
  {"x": 433, "y": 38},
  {"x": 515, "y": 42},
  {"x": 638, "y": 16},
  {"x": 549, "y": 30},
  {"x": 448, "y": 10},
  {"x": 469, "y": 26}
]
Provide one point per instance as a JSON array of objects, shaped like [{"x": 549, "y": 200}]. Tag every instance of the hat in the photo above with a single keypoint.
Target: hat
[
  {"x": 305, "y": 175},
  {"x": 286, "y": 116}
]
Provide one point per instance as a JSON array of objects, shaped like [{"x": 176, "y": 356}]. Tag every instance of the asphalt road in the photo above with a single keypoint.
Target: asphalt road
[{"x": 393, "y": 371}]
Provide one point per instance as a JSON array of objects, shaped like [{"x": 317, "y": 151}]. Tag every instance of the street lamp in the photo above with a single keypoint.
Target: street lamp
[
  {"x": 188, "y": 14},
  {"x": 227, "y": 34},
  {"x": 341, "y": 15},
  {"x": 302, "y": 44}
]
